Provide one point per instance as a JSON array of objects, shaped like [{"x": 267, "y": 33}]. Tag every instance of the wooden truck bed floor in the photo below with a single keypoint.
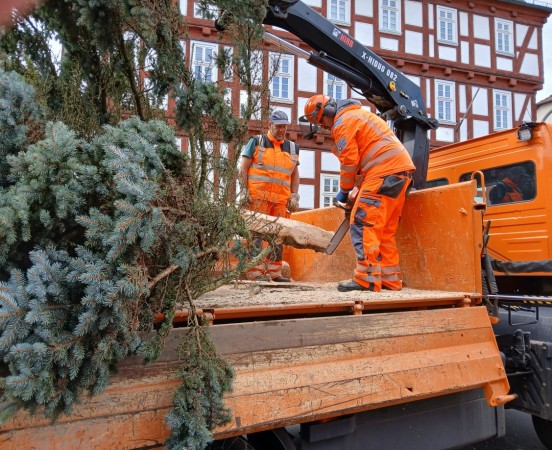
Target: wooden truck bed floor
[{"x": 249, "y": 299}]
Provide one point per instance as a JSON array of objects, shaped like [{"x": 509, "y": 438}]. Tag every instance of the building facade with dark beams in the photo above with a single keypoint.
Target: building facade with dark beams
[{"x": 478, "y": 63}]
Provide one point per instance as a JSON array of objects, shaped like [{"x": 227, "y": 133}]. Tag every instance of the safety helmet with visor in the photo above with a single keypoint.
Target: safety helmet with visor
[{"x": 317, "y": 106}]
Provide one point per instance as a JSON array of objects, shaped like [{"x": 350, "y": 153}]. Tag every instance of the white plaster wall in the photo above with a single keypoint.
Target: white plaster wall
[
  {"x": 329, "y": 162},
  {"x": 364, "y": 8},
  {"x": 504, "y": 64},
  {"x": 413, "y": 78},
  {"x": 480, "y": 104},
  {"x": 464, "y": 52},
  {"x": 429, "y": 91},
  {"x": 480, "y": 128},
  {"x": 463, "y": 24},
  {"x": 317, "y": 3},
  {"x": 414, "y": 42},
  {"x": 431, "y": 46},
  {"x": 447, "y": 53},
  {"x": 463, "y": 131},
  {"x": 364, "y": 33},
  {"x": 243, "y": 99},
  {"x": 521, "y": 31},
  {"x": 389, "y": 44},
  {"x": 530, "y": 65},
  {"x": 306, "y": 168},
  {"x": 183, "y": 5},
  {"x": 462, "y": 103},
  {"x": 300, "y": 107},
  {"x": 445, "y": 134},
  {"x": 533, "y": 42},
  {"x": 413, "y": 14},
  {"x": 306, "y": 196},
  {"x": 354, "y": 94},
  {"x": 481, "y": 27},
  {"x": 430, "y": 12},
  {"x": 518, "y": 99},
  {"x": 306, "y": 76},
  {"x": 482, "y": 55}
]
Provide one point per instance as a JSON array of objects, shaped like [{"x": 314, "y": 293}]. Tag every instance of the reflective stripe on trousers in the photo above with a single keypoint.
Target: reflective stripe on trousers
[
  {"x": 374, "y": 222},
  {"x": 271, "y": 267}
]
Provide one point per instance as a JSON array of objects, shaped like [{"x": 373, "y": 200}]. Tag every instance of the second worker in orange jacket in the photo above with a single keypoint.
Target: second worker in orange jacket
[
  {"x": 270, "y": 173},
  {"x": 372, "y": 158}
]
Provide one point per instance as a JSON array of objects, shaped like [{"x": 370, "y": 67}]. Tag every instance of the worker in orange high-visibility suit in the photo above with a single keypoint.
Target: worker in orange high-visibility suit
[
  {"x": 373, "y": 159},
  {"x": 508, "y": 190},
  {"x": 269, "y": 171}
]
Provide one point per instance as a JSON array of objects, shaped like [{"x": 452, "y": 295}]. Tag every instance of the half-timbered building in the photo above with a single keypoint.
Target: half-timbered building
[{"x": 479, "y": 64}]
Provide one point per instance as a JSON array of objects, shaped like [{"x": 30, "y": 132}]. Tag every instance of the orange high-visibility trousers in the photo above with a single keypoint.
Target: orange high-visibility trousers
[
  {"x": 271, "y": 267},
  {"x": 374, "y": 221}
]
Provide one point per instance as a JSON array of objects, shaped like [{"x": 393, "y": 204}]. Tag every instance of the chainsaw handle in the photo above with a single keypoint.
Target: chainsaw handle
[{"x": 348, "y": 205}]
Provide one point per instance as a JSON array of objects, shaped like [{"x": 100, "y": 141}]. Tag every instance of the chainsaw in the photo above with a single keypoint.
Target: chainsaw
[{"x": 344, "y": 227}]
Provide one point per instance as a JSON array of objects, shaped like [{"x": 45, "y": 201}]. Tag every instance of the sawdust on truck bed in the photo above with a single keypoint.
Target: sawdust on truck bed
[{"x": 250, "y": 293}]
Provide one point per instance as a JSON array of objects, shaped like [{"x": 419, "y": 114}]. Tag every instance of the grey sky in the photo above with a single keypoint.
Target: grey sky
[{"x": 547, "y": 53}]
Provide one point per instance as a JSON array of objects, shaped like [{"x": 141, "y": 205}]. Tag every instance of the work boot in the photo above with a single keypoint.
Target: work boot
[
  {"x": 281, "y": 279},
  {"x": 261, "y": 279},
  {"x": 350, "y": 285}
]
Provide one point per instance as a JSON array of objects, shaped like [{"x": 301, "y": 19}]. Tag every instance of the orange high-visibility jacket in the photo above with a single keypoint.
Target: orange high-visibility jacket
[
  {"x": 365, "y": 145},
  {"x": 513, "y": 194},
  {"x": 269, "y": 176}
]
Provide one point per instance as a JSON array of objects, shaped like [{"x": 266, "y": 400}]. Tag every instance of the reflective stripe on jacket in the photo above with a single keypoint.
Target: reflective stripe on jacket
[
  {"x": 269, "y": 176},
  {"x": 365, "y": 145}
]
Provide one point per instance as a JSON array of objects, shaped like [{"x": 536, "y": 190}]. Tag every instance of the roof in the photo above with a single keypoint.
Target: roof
[
  {"x": 537, "y": 4},
  {"x": 545, "y": 101}
]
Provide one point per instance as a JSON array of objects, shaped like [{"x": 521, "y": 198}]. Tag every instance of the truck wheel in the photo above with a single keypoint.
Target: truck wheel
[
  {"x": 277, "y": 439},
  {"x": 543, "y": 428},
  {"x": 234, "y": 443}
]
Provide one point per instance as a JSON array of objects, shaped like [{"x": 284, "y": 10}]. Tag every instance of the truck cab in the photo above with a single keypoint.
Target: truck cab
[{"x": 512, "y": 170}]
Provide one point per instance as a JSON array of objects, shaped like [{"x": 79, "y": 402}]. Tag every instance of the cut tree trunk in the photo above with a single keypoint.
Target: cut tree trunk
[{"x": 289, "y": 232}]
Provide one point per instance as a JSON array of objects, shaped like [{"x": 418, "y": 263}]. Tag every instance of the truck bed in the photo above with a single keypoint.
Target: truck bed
[{"x": 304, "y": 352}]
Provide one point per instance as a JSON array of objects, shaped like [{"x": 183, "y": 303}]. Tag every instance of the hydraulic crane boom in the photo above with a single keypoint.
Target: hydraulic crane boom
[{"x": 396, "y": 97}]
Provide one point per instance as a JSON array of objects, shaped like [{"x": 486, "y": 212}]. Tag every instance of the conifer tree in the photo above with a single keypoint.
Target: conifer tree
[{"x": 104, "y": 223}]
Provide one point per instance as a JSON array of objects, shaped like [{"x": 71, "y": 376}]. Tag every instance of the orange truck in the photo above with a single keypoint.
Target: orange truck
[
  {"x": 512, "y": 169},
  {"x": 320, "y": 369}
]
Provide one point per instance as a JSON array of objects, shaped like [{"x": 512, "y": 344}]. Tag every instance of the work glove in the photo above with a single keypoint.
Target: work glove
[
  {"x": 293, "y": 203},
  {"x": 342, "y": 197}
]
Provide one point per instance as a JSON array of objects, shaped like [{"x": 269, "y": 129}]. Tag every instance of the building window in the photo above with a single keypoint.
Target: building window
[
  {"x": 203, "y": 61},
  {"x": 390, "y": 16},
  {"x": 335, "y": 87},
  {"x": 502, "y": 110},
  {"x": 208, "y": 13},
  {"x": 281, "y": 70},
  {"x": 447, "y": 31},
  {"x": 504, "y": 36},
  {"x": 329, "y": 189},
  {"x": 339, "y": 11},
  {"x": 445, "y": 106}
]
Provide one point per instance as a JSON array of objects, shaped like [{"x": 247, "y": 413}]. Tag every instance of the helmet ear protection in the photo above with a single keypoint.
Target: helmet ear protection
[
  {"x": 316, "y": 108},
  {"x": 330, "y": 108}
]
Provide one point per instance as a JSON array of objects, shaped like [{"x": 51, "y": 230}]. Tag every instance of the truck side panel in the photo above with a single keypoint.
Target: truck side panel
[
  {"x": 290, "y": 372},
  {"x": 520, "y": 231},
  {"x": 435, "y": 224}
]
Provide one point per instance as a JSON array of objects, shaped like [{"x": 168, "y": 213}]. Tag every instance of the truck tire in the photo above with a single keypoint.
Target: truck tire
[
  {"x": 234, "y": 443},
  {"x": 543, "y": 428}
]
